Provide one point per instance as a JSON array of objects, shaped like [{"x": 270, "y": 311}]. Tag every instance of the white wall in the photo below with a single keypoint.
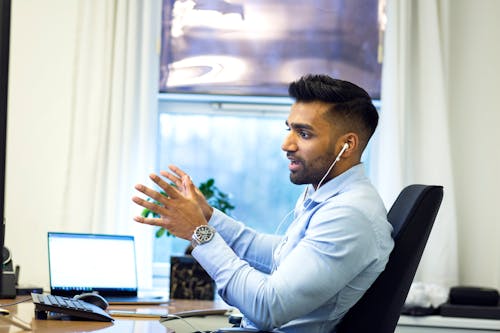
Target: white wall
[
  {"x": 475, "y": 119},
  {"x": 39, "y": 94},
  {"x": 41, "y": 56}
]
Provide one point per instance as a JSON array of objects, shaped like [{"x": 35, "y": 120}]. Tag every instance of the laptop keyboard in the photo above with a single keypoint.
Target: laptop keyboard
[{"x": 52, "y": 306}]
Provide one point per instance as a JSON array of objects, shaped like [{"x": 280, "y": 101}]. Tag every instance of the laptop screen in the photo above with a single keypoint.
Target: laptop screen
[{"x": 92, "y": 262}]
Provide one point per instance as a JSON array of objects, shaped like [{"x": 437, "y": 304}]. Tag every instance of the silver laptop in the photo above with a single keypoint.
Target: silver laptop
[{"x": 105, "y": 264}]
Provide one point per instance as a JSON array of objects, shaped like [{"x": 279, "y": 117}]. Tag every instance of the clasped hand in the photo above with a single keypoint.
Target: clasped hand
[{"x": 181, "y": 211}]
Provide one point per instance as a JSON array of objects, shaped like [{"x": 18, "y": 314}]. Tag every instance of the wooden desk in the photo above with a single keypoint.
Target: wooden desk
[{"x": 25, "y": 311}]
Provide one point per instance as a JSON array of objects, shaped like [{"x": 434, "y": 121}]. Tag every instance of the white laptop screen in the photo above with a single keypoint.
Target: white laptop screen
[{"x": 91, "y": 262}]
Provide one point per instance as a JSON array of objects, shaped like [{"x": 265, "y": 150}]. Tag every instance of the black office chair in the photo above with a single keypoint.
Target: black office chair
[{"x": 412, "y": 216}]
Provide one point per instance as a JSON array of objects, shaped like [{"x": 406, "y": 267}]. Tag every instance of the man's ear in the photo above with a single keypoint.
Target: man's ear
[{"x": 352, "y": 141}]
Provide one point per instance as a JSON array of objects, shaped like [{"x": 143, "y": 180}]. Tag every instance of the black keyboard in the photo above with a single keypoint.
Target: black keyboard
[{"x": 52, "y": 306}]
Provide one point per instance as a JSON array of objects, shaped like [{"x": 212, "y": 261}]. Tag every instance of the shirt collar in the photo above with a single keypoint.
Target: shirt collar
[{"x": 333, "y": 186}]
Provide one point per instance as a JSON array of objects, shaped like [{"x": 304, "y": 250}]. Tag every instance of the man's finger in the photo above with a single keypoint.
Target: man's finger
[
  {"x": 151, "y": 193},
  {"x": 160, "y": 210},
  {"x": 177, "y": 171},
  {"x": 169, "y": 189},
  {"x": 174, "y": 179},
  {"x": 189, "y": 186},
  {"x": 150, "y": 221}
]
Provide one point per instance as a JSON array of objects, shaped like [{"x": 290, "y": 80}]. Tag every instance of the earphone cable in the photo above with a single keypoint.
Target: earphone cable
[
  {"x": 280, "y": 244},
  {"x": 184, "y": 321}
]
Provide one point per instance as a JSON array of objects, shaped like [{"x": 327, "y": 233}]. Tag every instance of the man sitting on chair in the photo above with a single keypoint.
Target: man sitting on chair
[{"x": 338, "y": 242}]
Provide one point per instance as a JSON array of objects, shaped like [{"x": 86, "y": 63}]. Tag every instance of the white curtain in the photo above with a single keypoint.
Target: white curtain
[
  {"x": 112, "y": 135},
  {"x": 413, "y": 141}
]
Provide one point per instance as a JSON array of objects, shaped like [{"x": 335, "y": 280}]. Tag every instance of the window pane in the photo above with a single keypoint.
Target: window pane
[
  {"x": 256, "y": 47},
  {"x": 242, "y": 153}
]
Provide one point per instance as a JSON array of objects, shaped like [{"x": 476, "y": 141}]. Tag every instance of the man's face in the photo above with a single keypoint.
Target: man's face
[{"x": 310, "y": 145}]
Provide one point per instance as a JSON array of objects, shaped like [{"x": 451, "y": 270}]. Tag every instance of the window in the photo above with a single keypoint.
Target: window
[
  {"x": 225, "y": 69},
  {"x": 256, "y": 47}
]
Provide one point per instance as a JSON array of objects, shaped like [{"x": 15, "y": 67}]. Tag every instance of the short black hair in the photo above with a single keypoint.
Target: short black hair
[{"x": 349, "y": 101}]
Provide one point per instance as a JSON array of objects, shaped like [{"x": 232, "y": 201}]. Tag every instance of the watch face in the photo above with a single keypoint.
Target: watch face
[{"x": 204, "y": 233}]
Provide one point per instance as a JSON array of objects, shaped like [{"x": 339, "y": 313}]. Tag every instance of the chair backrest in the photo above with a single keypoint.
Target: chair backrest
[{"x": 412, "y": 216}]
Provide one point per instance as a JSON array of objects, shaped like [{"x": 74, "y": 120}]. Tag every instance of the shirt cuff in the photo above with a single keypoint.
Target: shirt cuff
[{"x": 217, "y": 258}]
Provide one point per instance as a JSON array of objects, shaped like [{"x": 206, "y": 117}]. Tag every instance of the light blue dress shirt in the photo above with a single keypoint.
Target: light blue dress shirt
[{"x": 306, "y": 280}]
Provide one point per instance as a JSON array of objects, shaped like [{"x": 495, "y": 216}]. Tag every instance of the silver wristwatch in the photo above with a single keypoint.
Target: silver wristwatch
[{"x": 202, "y": 234}]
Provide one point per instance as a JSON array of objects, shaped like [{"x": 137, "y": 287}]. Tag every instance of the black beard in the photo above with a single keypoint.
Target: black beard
[{"x": 312, "y": 173}]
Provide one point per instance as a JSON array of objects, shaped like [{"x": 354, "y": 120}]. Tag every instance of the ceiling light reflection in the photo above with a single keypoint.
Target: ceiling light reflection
[
  {"x": 187, "y": 14},
  {"x": 206, "y": 69}
]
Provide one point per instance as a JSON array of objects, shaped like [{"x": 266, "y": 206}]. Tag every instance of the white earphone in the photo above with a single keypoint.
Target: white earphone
[{"x": 344, "y": 148}]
